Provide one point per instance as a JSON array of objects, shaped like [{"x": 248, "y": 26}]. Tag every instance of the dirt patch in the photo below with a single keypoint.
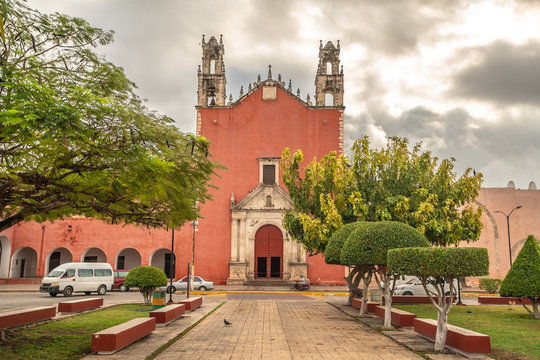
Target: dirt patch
[{"x": 508, "y": 355}]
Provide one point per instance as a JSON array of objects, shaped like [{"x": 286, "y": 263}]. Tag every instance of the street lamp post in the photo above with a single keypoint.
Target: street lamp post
[{"x": 508, "y": 227}]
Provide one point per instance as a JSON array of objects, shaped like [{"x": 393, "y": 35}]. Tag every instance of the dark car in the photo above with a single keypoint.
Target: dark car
[{"x": 119, "y": 278}]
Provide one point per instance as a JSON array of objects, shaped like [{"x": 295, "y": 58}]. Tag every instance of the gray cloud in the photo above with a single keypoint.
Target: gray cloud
[{"x": 502, "y": 73}]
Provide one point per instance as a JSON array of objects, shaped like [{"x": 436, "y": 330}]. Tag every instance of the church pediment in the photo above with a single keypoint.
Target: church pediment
[{"x": 264, "y": 197}]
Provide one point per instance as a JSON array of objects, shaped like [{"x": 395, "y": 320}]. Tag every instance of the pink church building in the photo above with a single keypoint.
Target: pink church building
[{"x": 240, "y": 238}]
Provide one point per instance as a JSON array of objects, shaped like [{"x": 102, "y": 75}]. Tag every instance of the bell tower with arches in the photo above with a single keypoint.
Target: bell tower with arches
[
  {"x": 329, "y": 78},
  {"x": 212, "y": 82}
]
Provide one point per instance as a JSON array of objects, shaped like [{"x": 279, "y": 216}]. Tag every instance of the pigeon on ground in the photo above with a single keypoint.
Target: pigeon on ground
[{"x": 226, "y": 322}]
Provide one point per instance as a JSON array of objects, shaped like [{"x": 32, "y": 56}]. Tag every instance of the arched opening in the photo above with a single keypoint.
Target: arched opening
[
  {"x": 212, "y": 66},
  {"x": 161, "y": 259},
  {"x": 24, "y": 263},
  {"x": 94, "y": 255},
  {"x": 328, "y": 68},
  {"x": 268, "y": 252},
  {"x": 328, "y": 99},
  {"x": 127, "y": 259},
  {"x": 58, "y": 257},
  {"x": 5, "y": 252}
]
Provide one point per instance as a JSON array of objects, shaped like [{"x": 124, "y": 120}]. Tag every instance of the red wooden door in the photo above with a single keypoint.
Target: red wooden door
[{"x": 268, "y": 252}]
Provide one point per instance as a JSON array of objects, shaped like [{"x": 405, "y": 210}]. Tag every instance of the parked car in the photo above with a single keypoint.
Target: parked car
[
  {"x": 198, "y": 283},
  {"x": 78, "y": 277},
  {"x": 414, "y": 288},
  {"x": 400, "y": 280},
  {"x": 119, "y": 278}
]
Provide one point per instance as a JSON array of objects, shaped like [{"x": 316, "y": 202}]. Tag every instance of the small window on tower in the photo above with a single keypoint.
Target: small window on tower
[{"x": 269, "y": 174}]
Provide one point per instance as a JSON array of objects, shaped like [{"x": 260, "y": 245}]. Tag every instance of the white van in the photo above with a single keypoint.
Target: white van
[{"x": 78, "y": 277}]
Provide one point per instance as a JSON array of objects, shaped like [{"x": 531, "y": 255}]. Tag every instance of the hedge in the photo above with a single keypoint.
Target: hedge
[
  {"x": 439, "y": 262},
  {"x": 336, "y": 241},
  {"x": 368, "y": 245},
  {"x": 523, "y": 279},
  {"x": 491, "y": 286}
]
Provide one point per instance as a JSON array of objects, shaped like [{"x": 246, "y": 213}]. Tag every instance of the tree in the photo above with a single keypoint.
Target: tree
[
  {"x": 357, "y": 273},
  {"x": 435, "y": 267},
  {"x": 148, "y": 279},
  {"x": 523, "y": 279},
  {"x": 368, "y": 246},
  {"x": 75, "y": 139},
  {"x": 388, "y": 184}
]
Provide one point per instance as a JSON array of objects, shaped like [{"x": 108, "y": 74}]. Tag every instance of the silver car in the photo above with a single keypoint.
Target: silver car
[{"x": 198, "y": 284}]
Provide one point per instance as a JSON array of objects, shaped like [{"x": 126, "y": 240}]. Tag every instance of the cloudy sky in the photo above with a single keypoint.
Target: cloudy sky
[{"x": 463, "y": 77}]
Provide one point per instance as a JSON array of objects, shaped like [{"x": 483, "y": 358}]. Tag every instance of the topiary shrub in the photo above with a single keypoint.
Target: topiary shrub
[
  {"x": 332, "y": 256},
  {"x": 435, "y": 266},
  {"x": 147, "y": 279},
  {"x": 523, "y": 279},
  {"x": 368, "y": 245},
  {"x": 491, "y": 286}
]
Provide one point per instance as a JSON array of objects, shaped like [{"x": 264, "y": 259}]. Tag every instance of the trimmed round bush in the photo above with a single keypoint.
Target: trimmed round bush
[
  {"x": 147, "y": 279},
  {"x": 439, "y": 262},
  {"x": 369, "y": 244},
  {"x": 523, "y": 279},
  {"x": 336, "y": 241},
  {"x": 491, "y": 286}
]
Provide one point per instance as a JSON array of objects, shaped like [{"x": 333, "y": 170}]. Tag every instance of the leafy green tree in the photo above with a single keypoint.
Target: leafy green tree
[
  {"x": 148, "y": 279},
  {"x": 388, "y": 184},
  {"x": 75, "y": 139},
  {"x": 437, "y": 268},
  {"x": 523, "y": 279},
  {"x": 357, "y": 273},
  {"x": 368, "y": 246}
]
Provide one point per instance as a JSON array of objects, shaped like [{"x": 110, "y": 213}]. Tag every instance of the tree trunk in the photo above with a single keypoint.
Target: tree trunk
[
  {"x": 353, "y": 281},
  {"x": 442, "y": 328},
  {"x": 536, "y": 312},
  {"x": 387, "y": 308},
  {"x": 366, "y": 278}
]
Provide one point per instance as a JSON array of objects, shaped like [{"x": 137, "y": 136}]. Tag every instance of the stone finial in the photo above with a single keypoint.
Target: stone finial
[
  {"x": 221, "y": 39},
  {"x": 242, "y": 90},
  {"x": 532, "y": 185},
  {"x": 199, "y": 69},
  {"x": 307, "y": 97},
  {"x": 279, "y": 78},
  {"x": 249, "y": 87},
  {"x": 204, "y": 42},
  {"x": 341, "y": 72},
  {"x": 308, "y": 100},
  {"x": 269, "y": 72},
  {"x": 298, "y": 92},
  {"x": 320, "y": 45},
  {"x": 290, "y": 85},
  {"x": 230, "y": 98},
  {"x": 259, "y": 78},
  {"x": 338, "y": 44},
  {"x": 511, "y": 185},
  {"x": 233, "y": 200}
]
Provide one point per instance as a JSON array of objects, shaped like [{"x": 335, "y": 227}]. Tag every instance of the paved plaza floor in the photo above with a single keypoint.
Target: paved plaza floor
[{"x": 283, "y": 327}]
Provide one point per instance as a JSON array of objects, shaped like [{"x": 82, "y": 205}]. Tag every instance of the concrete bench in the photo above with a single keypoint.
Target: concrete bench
[
  {"x": 79, "y": 305},
  {"x": 370, "y": 306},
  {"x": 398, "y": 317},
  {"x": 495, "y": 300},
  {"x": 25, "y": 316},
  {"x": 115, "y": 338},
  {"x": 192, "y": 303},
  {"x": 168, "y": 313},
  {"x": 466, "y": 342}
]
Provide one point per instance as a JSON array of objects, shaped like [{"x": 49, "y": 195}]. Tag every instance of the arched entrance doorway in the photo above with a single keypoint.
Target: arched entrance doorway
[
  {"x": 24, "y": 263},
  {"x": 94, "y": 255},
  {"x": 58, "y": 257},
  {"x": 161, "y": 259},
  {"x": 127, "y": 259},
  {"x": 268, "y": 252}
]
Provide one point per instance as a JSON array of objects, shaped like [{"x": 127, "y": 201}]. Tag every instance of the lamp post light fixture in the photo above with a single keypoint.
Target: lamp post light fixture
[{"x": 508, "y": 227}]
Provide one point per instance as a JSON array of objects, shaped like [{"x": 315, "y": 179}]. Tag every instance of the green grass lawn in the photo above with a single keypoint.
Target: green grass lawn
[
  {"x": 514, "y": 333},
  {"x": 69, "y": 338}
]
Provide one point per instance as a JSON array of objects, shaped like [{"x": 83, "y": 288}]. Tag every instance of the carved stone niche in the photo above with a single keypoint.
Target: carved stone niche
[
  {"x": 237, "y": 273},
  {"x": 298, "y": 269}
]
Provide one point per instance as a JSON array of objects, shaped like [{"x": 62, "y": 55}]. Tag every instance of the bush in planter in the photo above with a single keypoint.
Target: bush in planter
[
  {"x": 523, "y": 279},
  {"x": 491, "y": 286},
  {"x": 436, "y": 266},
  {"x": 147, "y": 279}
]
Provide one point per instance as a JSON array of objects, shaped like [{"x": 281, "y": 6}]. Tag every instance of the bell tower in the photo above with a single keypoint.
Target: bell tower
[
  {"x": 212, "y": 81},
  {"x": 329, "y": 78}
]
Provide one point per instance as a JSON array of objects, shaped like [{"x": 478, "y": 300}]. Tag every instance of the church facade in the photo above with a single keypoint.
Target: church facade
[{"x": 240, "y": 238}]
